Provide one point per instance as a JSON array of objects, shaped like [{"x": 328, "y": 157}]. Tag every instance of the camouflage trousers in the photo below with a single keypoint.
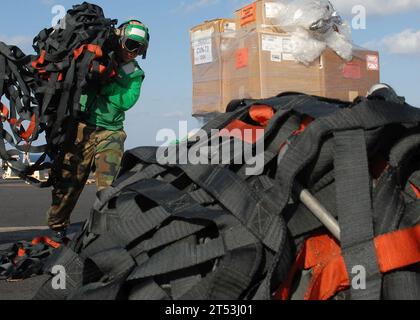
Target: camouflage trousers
[{"x": 95, "y": 150}]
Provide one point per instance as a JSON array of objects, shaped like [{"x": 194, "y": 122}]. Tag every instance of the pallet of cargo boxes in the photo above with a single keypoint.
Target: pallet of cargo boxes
[{"x": 250, "y": 57}]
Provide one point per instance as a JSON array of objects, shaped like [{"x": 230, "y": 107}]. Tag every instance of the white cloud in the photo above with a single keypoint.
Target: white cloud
[
  {"x": 18, "y": 40},
  {"x": 406, "y": 42},
  {"x": 378, "y": 7}
]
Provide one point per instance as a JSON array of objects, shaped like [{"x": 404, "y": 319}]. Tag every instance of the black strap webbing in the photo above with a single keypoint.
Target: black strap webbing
[
  {"x": 258, "y": 213},
  {"x": 191, "y": 255},
  {"x": 232, "y": 277},
  {"x": 104, "y": 196},
  {"x": 354, "y": 207},
  {"x": 402, "y": 285},
  {"x": 366, "y": 115},
  {"x": 73, "y": 265},
  {"x": 113, "y": 263},
  {"x": 148, "y": 290}
]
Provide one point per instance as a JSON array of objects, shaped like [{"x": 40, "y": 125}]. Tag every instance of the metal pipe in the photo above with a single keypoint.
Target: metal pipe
[{"x": 319, "y": 211}]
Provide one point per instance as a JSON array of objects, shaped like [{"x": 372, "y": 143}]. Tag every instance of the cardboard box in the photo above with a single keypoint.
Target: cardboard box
[
  {"x": 259, "y": 65},
  {"x": 347, "y": 80},
  {"x": 266, "y": 69},
  {"x": 206, "y": 40},
  {"x": 259, "y": 15}
]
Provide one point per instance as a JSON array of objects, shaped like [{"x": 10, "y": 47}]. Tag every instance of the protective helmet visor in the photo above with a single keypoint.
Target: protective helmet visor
[{"x": 133, "y": 46}]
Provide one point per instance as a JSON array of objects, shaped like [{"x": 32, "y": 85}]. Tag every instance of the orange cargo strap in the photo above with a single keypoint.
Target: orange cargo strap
[
  {"x": 304, "y": 124},
  {"x": 261, "y": 114},
  {"x": 243, "y": 131},
  {"x": 284, "y": 292},
  {"x": 97, "y": 50},
  {"x": 24, "y": 134},
  {"x": 398, "y": 249},
  {"x": 59, "y": 78},
  {"x": 36, "y": 64},
  {"x": 4, "y": 112},
  {"x": 46, "y": 240},
  {"x": 322, "y": 254},
  {"x": 328, "y": 267},
  {"x": 103, "y": 69},
  {"x": 21, "y": 252}
]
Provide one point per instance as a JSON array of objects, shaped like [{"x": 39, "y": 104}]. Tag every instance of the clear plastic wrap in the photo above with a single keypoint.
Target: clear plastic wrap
[
  {"x": 305, "y": 48},
  {"x": 340, "y": 41},
  {"x": 314, "y": 25},
  {"x": 305, "y": 14}
]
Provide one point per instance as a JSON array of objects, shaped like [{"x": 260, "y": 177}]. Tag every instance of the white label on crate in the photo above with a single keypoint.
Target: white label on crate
[
  {"x": 272, "y": 9},
  {"x": 203, "y": 52},
  {"x": 287, "y": 49},
  {"x": 288, "y": 57},
  {"x": 202, "y": 34},
  {"x": 287, "y": 45},
  {"x": 272, "y": 43},
  {"x": 276, "y": 57},
  {"x": 372, "y": 62},
  {"x": 230, "y": 26},
  {"x": 229, "y": 30}
]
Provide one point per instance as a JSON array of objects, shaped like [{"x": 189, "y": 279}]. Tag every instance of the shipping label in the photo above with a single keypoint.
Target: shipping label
[
  {"x": 229, "y": 30},
  {"x": 276, "y": 56},
  {"x": 241, "y": 58},
  {"x": 288, "y": 49},
  {"x": 229, "y": 27},
  {"x": 278, "y": 45},
  {"x": 272, "y": 43},
  {"x": 352, "y": 70},
  {"x": 287, "y": 45},
  {"x": 372, "y": 62},
  {"x": 203, "y": 52},
  {"x": 288, "y": 57},
  {"x": 249, "y": 14}
]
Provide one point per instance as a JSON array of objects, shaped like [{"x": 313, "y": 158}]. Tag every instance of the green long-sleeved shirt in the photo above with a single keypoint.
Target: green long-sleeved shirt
[{"x": 107, "y": 107}]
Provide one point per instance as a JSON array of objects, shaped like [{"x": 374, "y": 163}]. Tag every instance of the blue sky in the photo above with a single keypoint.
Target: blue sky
[{"x": 393, "y": 27}]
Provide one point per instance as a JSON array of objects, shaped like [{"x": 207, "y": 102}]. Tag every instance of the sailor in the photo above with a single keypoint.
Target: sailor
[{"x": 99, "y": 142}]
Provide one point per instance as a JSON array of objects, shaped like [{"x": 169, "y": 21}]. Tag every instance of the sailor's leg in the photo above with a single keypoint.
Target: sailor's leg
[
  {"x": 108, "y": 156},
  {"x": 71, "y": 178}
]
